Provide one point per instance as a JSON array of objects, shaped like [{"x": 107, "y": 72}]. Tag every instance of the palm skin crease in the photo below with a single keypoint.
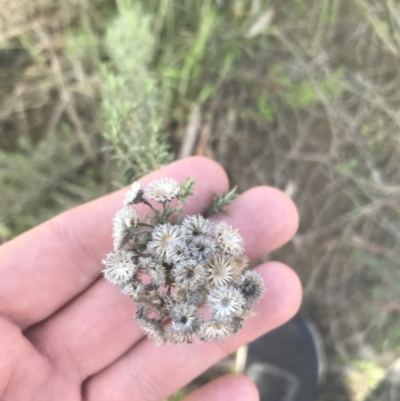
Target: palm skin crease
[{"x": 68, "y": 335}]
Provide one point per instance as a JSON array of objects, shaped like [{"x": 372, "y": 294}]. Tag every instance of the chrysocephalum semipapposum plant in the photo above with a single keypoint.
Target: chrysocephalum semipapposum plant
[{"x": 176, "y": 270}]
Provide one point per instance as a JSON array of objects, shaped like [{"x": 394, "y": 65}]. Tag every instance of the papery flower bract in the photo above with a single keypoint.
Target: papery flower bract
[
  {"x": 185, "y": 322},
  {"x": 126, "y": 217},
  {"x": 190, "y": 274},
  {"x": 252, "y": 287},
  {"x": 197, "y": 298},
  {"x": 221, "y": 270},
  {"x": 241, "y": 263},
  {"x": 229, "y": 240},
  {"x": 214, "y": 330},
  {"x": 226, "y": 302},
  {"x": 152, "y": 328},
  {"x": 155, "y": 304},
  {"x": 128, "y": 288},
  {"x": 236, "y": 324},
  {"x": 124, "y": 221},
  {"x": 134, "y": 194},
  {"x": 177, "y": 251},
  {"x": 156, "y": 273},
  {"x": 196, "y": 226},
  {"x": 153, "y": 269},
  {"x": 119, "y": 267},
  {"x": 162, "y": 236},
  {"x": 201, "y": 248},
  {"x": 163, "y": 190}
]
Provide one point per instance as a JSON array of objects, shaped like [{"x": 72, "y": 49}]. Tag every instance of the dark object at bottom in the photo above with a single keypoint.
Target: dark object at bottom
[{"x": 285, "y": 363}]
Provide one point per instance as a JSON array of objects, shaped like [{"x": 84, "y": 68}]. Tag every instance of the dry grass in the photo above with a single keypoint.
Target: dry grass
[{"x": 329, "y": 97}]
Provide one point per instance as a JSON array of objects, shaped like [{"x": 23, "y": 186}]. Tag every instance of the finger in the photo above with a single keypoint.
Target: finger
[
  {"x": 266, "y": 219},
  {"x": 149, "y": 373},
  {"x": 230, "y": 387},
  {"x": 101, "y": 318},
  {"x": 54, "y": 262}
]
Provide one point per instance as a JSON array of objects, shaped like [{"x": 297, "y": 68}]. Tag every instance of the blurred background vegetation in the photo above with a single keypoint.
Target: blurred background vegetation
[{"x": 299, "y": 94}]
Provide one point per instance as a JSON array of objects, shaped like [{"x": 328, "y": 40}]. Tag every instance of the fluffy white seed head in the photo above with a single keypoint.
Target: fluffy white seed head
[
  {"x": 196, "y": 226},
  {"x": 162, "y": 236},
  {"x": 174, "y": 272},
  {"x": 126, "y": 217},
  {"x": 202, "y": 248},
  {"x": 134, "y": 194},
  {"x": 153, "y": 304},
  {"x": 124, "y": 221},
  {"x": 128, "y": 289},
  {"x": 178, "y": 251},
  {"x": 252, "y": 287},
  {"x": 226, "y": 302},
  {"x": 119, "y": 267},
  {"x": 156, "y": 272},
  {"x": 153, "y": 329},
  {"x": 214, "y": 331},
  {"x": 190, "y": 275},
  {"x": 186, "y": 321},
  {"x": 221, "y": 270},
  {"x": 229, "y": 240},
  {"x": 163, "y": 190},
  {"x": 197, "y": 298}
]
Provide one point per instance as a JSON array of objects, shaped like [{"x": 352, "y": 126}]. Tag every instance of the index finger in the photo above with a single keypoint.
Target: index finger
[{"x": 47, "y": 266}]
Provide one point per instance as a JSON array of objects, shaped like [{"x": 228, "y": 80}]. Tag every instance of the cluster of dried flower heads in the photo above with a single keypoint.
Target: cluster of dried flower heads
[{"x": 172, "y": 271}]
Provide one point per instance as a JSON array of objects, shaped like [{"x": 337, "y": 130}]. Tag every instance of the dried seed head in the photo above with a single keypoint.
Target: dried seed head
[
  {"x": 226, "y": 302},
  {"x": 163, "y": 190},
  {"x": 162, "y": 235},
  {"x": 197, "y": 298},
  {"x": 195, "y": 226},
  {"x": 134, "y": 194},
  {"x": 119, "y": 267},
  {"x": 129, "y": 288},
  {"x": 241, "y": 263},
  {"x": 171, "y": 271},
  {"x": 155, "y": 304},
  {"x": 177, "y": 251},
  {"x": 214, "y": 331},
  {"x": 221, "y": 270},
  {"x": 252, "y": 287},
  {"x": 154, "y": 269},
  {"x": 229, "y": 240},
  {"x": 236, "y": 324},
  {"x": 152, "y": 328},
  {"x": 124, "y": 222},
  {"x": 190, "y": 274},
  {"x": 127, "y": 217},
  {"x": 185, "y": 322},
  {"x": 201, "y": 248}
]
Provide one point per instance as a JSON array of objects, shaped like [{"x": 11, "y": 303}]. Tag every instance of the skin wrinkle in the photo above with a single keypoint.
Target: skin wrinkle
[
  {"x": 149, "y": 386},
  {"x": 27, "y": 351},
  {"x": 132, "y": 369},
  {"x": 53, "y": 353}
]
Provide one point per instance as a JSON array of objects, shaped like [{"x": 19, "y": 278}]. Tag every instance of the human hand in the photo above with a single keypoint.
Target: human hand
[{"x": 68, "y": 335}]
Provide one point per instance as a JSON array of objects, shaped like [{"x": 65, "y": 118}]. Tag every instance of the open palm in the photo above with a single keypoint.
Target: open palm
[{"x": 68, "y": 335}]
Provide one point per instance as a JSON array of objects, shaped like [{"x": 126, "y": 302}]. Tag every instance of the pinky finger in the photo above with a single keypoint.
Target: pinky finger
[{"x": 230, "y": 387}]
